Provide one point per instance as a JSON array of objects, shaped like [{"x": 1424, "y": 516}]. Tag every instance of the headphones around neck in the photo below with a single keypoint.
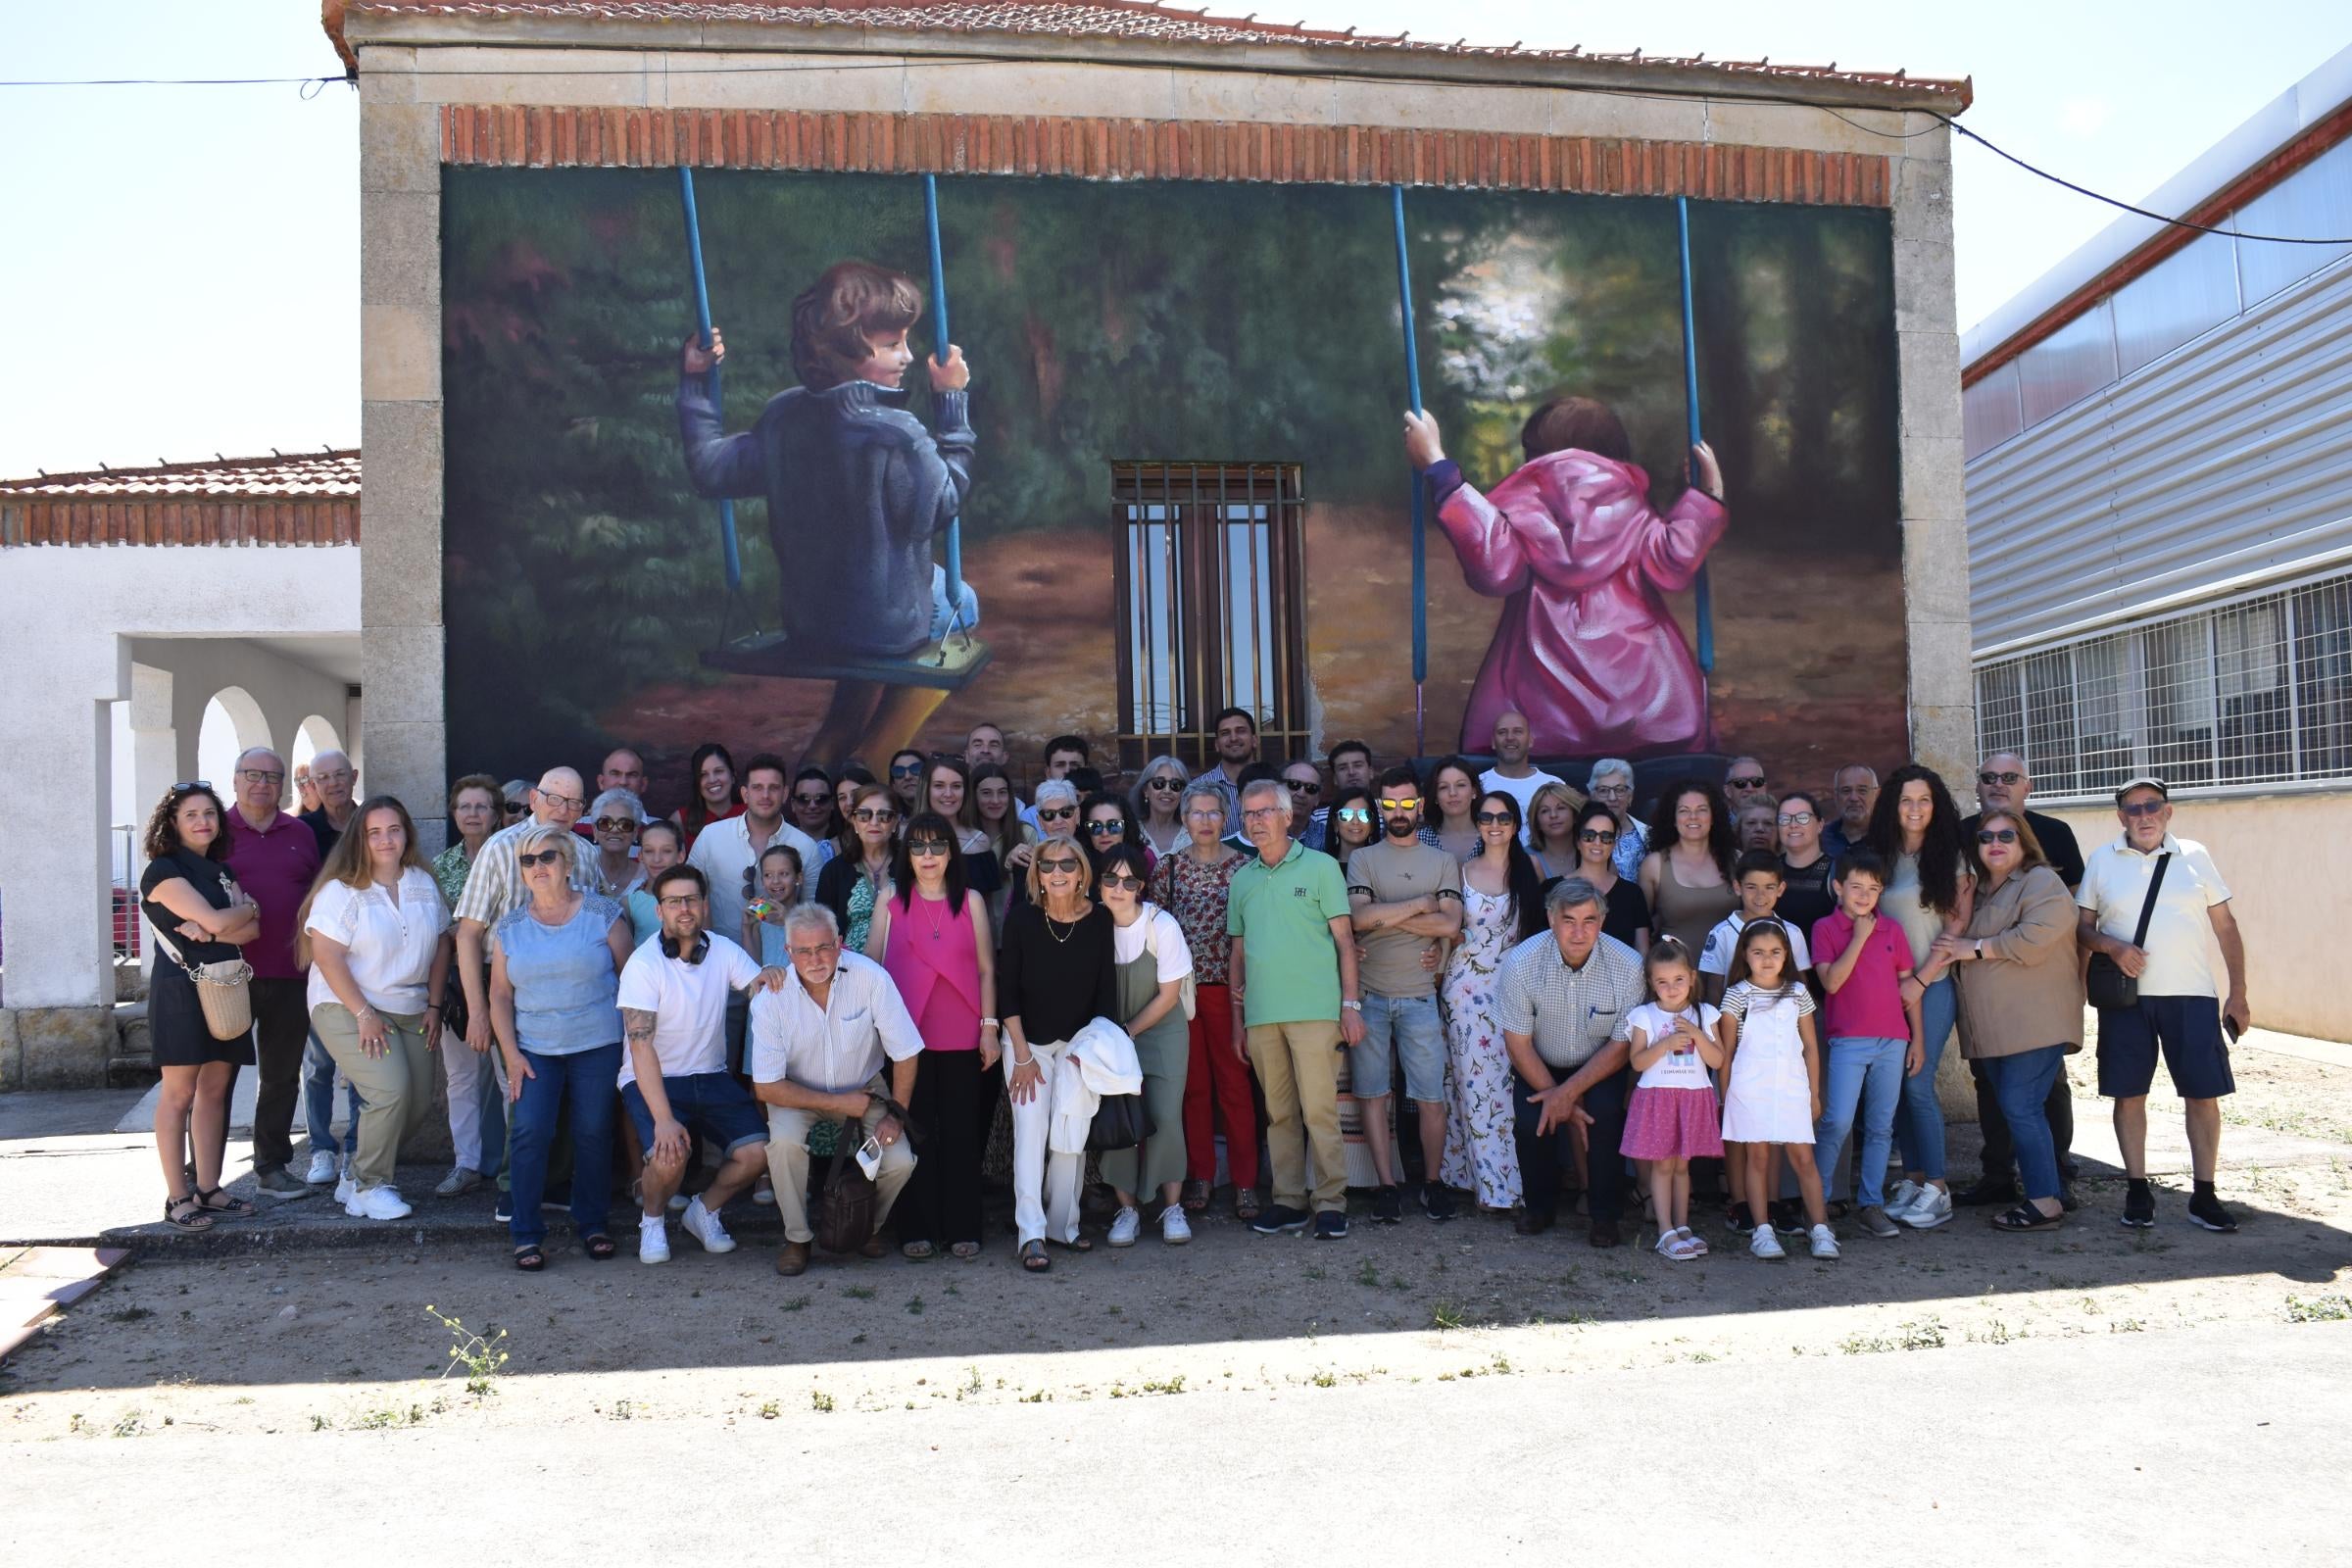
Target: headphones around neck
[{"x": 702, "y": 946}]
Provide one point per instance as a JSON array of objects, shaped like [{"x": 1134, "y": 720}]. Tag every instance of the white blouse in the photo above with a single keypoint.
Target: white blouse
[
  {"x": 1175, "y": 956},
  {"x": 389, "y": 947}
]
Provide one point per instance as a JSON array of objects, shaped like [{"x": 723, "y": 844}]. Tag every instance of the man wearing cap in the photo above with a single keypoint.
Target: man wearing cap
[{"x": 2182, "y": 1008}]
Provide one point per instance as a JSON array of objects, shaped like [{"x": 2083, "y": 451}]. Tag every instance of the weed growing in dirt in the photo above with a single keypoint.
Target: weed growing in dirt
[
  {"x": 1445, "y": 1315},
  {"x": 796, "y": 1303},
  {"x": 1368, "y": 1274},
  {"x": 481, "y": 1359},
  {"x": 859, "y": 1293},
  {"x": 914, "y": 1305},
  {"x": 128, "y": 1314},
  {"x": 1920, "y": 1336},
  {"x": 823, "y": 1401},
  {"x": 2318, "y": 1308},
  {"x": 128, "y": 1424},
  {"x": 384, "y": 1418},
  {"x": 768, "y": 1411}
]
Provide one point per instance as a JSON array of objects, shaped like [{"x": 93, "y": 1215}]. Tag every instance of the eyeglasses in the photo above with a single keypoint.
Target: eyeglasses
[
  {"x": 1748, "y": 781},
  {"x": 816, "y": 951},
  {"x": 1597, "y": 835},
  {"x": 260, "y": 776},
  {"x": 1208, "y": 813},
  {"x": 511, "y": 808},
  {"x": 1055, "y": 814},
  {"x": 2000, "y": 778},
  {"x": 904, "y": 769},
  {"x": 1305, "y": 786},
  {"x": 874, "y": 814},
  {"x": 1407, "y": 806},
  {"x": 564, "y": 802},
  {"x": 1611, "y": 791},
  {"x": 538, "y": 857},
  {"x": 1163, "y": 782},
  {"x": 680, "y": 901},
  {"x": 1354, "y": 813},
  {"x": 616, "y": 824},
  {"x": 1058, "y": 866},
  {"x": 192, "y": 784},
  {"x": 1133, "y": 884},
  {"x": 1997, "y": 835},
  {"x": 1796, "y": 818},
  {"x": 1097, "y": 829},
  {"x": 2144, "y": 808},
  {"x": 929, "y": 847},
  {"x": 1493, "y": 819}
]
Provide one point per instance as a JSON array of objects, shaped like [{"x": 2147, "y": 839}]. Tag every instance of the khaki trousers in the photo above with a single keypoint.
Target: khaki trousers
[
  {"x": 396, "y": 1088},
  {"x": 1297, "y": 1066},
  {"x": 788, "y": 1163}
]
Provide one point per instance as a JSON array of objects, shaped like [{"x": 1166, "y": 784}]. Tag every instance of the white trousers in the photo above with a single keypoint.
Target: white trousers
[{"x": 1045, "y": 1183}]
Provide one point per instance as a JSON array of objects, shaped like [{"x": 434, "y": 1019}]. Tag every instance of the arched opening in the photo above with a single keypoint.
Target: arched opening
[
  {"x": 232, "y": 721},
  {"x": 314, "y": 736}
]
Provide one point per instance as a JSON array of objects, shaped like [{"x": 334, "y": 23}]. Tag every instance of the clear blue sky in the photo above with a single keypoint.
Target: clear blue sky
[{"x": 183, "y": 269}]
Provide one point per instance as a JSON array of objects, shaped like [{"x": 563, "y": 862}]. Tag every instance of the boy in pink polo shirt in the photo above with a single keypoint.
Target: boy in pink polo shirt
[{"x": 1870, "y": 1019}]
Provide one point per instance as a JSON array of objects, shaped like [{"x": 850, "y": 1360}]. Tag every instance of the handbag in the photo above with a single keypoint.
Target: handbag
[
  {"x": 223, "y": 989},
  {"x": 845, "y": 1211},
  {"x": 1120, "y": 1122},
  {"x": 2105, "y": 983}
]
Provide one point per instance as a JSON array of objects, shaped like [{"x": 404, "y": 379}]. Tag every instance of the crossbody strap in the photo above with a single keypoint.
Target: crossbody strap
[{"x": 2140, "y": 937}]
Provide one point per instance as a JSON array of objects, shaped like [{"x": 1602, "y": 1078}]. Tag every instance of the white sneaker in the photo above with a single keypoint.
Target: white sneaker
[
  {"x": 1124, "y": 1226},
  {"x": 1824, "y": 1244},
  {"x": 678, "y": 1202},
  {"x": 765, "y": 1195},
  {"x": 347, "y": 1193},
  {"x": 1932, "y": 1207},
  {"x": 322, "y": 1168},
  {"x": 1174, "y": 1228},
  {"x": 1906, "y": 1193},
  {"x": 380, "y": 1203},
  {"x": 1763, "y": 1243},
  {"x": 703, "y": 1226},
  {"x": 652, "y": 1239}
]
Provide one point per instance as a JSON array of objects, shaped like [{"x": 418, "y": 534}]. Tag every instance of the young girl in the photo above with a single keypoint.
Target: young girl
[
  {"x": 1672, "y": 1118},
  {"x": 1773, "y": 1090},
  {"x": 763, "y": 916}
]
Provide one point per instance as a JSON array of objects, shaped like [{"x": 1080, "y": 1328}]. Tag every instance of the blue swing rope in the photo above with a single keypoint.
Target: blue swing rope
[
  {"x": 702, "y": 320},
  {"x": 939, "y": 306},
  {"x": 1412, "y": 396},
  {"x": 1706, "y": 597}
]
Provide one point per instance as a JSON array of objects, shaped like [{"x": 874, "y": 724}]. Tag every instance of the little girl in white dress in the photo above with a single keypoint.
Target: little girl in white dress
[{"x": 1772, "y": 1091}]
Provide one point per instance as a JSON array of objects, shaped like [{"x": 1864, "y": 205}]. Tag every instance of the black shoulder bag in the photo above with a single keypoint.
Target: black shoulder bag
[{"x": 2109, "y": 988}]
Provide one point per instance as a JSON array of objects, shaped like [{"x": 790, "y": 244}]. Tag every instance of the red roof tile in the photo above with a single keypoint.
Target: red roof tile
[
  {"x": 1098, "y": 19},
  {"x": 294, "y": 476}
]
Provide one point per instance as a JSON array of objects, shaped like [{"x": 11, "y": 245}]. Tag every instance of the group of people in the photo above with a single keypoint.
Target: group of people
[{"x": 1724, "y": 995}]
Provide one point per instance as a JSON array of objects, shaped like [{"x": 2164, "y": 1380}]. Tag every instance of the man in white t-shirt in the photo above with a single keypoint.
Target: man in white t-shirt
[
  {"x": 818, "y": 1047},
  {"x": 1512, "y": 773},
  {"x": 2183, "y": 1009},
  {"x": 674, "y": 1081},
  {"x": 727, "y": 854}
]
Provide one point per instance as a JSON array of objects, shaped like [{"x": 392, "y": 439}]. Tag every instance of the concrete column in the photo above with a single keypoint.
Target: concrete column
[{"x": 155, "y": 761}]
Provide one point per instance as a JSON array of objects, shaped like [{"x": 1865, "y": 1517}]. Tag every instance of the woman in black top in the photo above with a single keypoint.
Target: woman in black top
[
  {"x": 1625, "y": 912},
  {"x": 1055, "y": 975},
  {"x": 200, "y": 917}
]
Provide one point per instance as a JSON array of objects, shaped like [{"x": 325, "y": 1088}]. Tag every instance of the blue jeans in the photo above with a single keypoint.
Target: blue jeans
[
  {"x": 2021, "y": 1083},
  {"x": 319, "y": 1099},
  {"x": 1867, "y": 1074},
  {"x": 582, "y": 1081},
  {"x": 1919, "y": 1129}
]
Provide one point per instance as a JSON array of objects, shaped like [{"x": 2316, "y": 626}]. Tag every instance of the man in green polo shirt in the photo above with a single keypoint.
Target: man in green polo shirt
[{"x": 1296, "y": 1002}]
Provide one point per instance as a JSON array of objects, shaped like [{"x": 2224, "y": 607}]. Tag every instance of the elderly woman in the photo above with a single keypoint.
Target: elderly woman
[
  {"x": 1055, "y": 975},
  {"x": 1057, "y": 807},
  {"x": 1551, "y": 829},
  {"x": 1193, "y": 884},
  {"x": 515, "y": 801},
  {"x": 852, "y": 883},
  {"x": 1152, "y": 961},
  {"x": 1158, "y": 790},
  {"x": 2021, "y": 999},
  {"x": 375, "y": 939},
  {"x": 1758, "y": 826},
  {"x": 200, "y": 917},
  {"x": 478, "y": 1126},
  {"x": 616, "y": 818},
  {"x": 1612, "y": 783},
  {"x": 554, "y": 979}
]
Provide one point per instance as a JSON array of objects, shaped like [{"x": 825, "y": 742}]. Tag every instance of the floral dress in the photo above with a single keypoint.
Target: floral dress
[{"x": 1482, "y": 1156}]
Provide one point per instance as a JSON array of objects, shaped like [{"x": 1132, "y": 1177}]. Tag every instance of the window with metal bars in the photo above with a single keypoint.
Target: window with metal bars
[
  {"x": 2251, "y": 693},
  {"x": 1211, "y": 589}
]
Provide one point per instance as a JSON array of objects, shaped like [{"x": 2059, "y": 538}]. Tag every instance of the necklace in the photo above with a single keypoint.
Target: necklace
[
  {"x": 938, "y": 912},
  {"x": 1061, "y": 936}
]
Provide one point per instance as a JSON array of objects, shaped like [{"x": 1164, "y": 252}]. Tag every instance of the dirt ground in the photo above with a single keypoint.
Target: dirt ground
[{"x": 299, "y": 1341}]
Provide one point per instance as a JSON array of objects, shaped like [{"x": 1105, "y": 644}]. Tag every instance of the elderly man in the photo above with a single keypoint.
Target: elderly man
[
  {"x": 1743, "y": 784},
  {"x": 674, "y": 1081},
  {"x": 1512, "y": 773},
  {"x": 1295, "y": 1001},
  {"x": 1758, "y": 826},
  {"x": 494, "y": 888},
  {"x": 2002, "y": 785},
  {"x": 2146, "y": 878},
  {"x": 623, "y": 769},
  {"x": 1304, "y": 781},
  {"x": 985, "y": 744},
  {"x": 274, "y": 858},
  {"x": 1564, "y": 997},
  {"x": 818, "y": 1047},
  {"x": 333, "y": 776},
  {"x": 1854, "y": 789},
  {"x": 1612, "y": 783}
]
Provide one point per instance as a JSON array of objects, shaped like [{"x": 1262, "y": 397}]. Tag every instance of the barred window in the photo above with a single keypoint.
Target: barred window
[{"x": 2251, "y": 693}]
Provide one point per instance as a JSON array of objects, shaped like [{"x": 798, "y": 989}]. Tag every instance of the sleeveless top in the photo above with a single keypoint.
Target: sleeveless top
[
  {"x": 1689, "y": 913},
  {"x": 565, "y": 989},
  {"x": 933, "y": 958}
]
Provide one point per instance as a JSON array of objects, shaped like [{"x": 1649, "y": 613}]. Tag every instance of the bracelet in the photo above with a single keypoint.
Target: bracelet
[{"x": 1029, "y": 1060}]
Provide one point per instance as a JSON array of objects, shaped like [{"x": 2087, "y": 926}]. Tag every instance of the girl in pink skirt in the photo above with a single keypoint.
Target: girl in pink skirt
[{"x": 1672, "y": 1118}]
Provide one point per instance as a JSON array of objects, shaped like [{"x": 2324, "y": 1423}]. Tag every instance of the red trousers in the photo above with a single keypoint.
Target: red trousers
[{"x": 1217, "y": 1087}]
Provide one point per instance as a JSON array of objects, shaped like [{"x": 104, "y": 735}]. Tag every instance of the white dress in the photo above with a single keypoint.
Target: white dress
[{"x": 1769, "y": 1097}]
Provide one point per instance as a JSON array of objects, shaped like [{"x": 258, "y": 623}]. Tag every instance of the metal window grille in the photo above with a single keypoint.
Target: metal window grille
[
  {"x": 2249, "y": 694},
  {"x": 1211, "y": 589}
]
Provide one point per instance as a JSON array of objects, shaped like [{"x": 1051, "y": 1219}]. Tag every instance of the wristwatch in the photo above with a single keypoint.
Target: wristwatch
[{"x": 1353, "y": 1006}]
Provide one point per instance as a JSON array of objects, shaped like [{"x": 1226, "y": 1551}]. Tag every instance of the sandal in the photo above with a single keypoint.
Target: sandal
[
  {"x": 1244, "y": 1203},
  {"x": 600, "y": 1248},
  {"x": 966, "y": 1249},
  {"x": 1082, "y": 1244},
  {"x": 1034, "y": 1259},
  {"x": 2026, "y": 1217},
  {"x": 530, "y": 1259},
  {"x": 186, "y": 1214},
  {"x": 1196, "y": 1197},
  {"x": 1838, "y": 1208},
  {"x": 1698, "y": 1243},
  {"x": 916, "y": 1251},
  {"x": 1676, "y": 1248},
  {"x": 227, "y": 1209}
]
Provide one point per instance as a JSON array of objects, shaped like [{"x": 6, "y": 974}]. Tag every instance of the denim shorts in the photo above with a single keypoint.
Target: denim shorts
[
  {"x": 1400, "y": 1027},
  {"x": 707, "y": 1105}
]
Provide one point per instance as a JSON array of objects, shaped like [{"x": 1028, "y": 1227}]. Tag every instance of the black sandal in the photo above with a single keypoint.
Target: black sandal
[
  {"x": 1034, "y": 1259},
  {"x": 231, "y": 1208},
  {"x": 1838, "y": 1208},
  {"x": 600, "y": 1248},
  {"x": 530, "y": 1259},
  {"x": 2026, "y": 1217},
  {"x": 1084, "y": 1244},
  {"x": 186, "y": 1214}
]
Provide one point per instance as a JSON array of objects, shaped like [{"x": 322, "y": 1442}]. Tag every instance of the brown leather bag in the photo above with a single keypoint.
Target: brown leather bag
[{"x": 845, "y": 1211}]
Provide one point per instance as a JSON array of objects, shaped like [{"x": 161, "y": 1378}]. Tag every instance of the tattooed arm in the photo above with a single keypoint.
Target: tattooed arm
[{"x": 669, "y": 1139}]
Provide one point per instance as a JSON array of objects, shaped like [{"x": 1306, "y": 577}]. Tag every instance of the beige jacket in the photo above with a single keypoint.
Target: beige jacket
[{"x": 2027, "y": 990}]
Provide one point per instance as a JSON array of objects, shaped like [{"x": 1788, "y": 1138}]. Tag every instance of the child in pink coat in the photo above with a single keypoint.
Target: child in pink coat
[{"x": 1585, "y": 647}]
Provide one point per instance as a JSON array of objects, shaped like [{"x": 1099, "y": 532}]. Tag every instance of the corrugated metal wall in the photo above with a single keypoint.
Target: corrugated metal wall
[{"x": 2228, "y": 458}]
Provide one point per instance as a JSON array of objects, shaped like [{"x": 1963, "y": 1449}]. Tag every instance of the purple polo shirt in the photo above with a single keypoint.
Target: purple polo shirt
[{"x": 276, "y": 865}]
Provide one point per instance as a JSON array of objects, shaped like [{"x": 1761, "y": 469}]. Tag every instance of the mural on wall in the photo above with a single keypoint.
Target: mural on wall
[{"x": 1179, "y": 467}]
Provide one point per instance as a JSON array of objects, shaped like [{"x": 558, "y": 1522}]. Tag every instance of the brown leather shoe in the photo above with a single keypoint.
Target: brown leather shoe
[
  {"x": 1604, "y": 1233},
  {"x": 793, "y": 1260},
  {"x": 871, "y": 1246},
  {"x": 1527, "y": 1222}
]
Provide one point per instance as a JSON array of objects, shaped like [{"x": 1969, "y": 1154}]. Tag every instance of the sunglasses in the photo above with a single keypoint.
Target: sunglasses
[
  {"x": 616, "y": 824},
  {"x": 539, "y": 857},
  {"x": 1305, "y": 786},
  {"x": 1403, "y": 807},
  {"x": 511, "y": 808},
  {"x": 875, "y": 813},
  {"x": 2000, "y": 778},
  {"x": 928, "y": 847},
  {"x": 1163, "y": 782},
  {"x": 1097, "y": 829},
  {"x": 1057, "y": 867},
  {"x": 826, "y": 798},
  {"x": 192, "y": 784},
  {"x": 1354, "y": 813},
  {"x": 1493, "y": 819},
  {"x": 1055, "y": 814},
  {"x": 1133, "y": 884},
  {"x": 2144, "y": 808},
  {"x": 1749, "y": 782},
  {"x": 904, "y": 769},
  {"x": 1597, "y": 835},
  {"x": 1997, "y": 835}
]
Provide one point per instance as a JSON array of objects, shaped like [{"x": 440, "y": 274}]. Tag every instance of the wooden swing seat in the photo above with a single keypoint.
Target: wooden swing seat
[{"x": 948, "y": 669}]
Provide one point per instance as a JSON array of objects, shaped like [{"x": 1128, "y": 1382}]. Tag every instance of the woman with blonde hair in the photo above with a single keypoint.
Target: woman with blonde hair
[
  {"x": 374, "y": 935},
  {"x": 1551, "y": 829},
  {"x": 1158, "y": 790}
]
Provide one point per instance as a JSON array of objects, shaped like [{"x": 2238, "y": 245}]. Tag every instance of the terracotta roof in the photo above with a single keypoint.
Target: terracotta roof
[
  {"x": 291, "y": 477},
  {"x": 1102, "y": 20}
]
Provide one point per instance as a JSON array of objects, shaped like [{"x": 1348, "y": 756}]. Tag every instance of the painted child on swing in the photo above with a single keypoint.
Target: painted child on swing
[
  {"x": 856, "y": 489},
  {"x": 1585, "y": 646}
]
